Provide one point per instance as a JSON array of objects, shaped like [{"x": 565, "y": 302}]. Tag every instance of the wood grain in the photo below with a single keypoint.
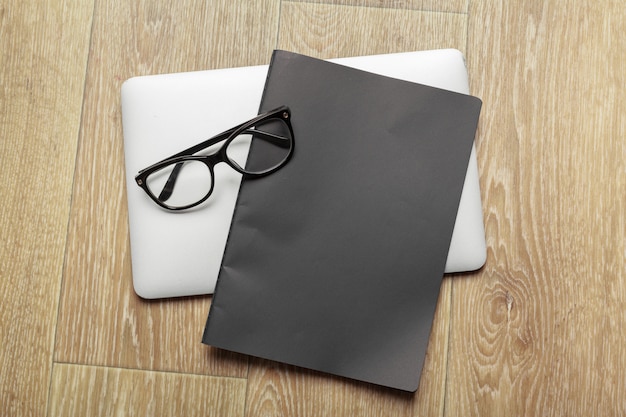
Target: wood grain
[
  {"x": 539, "y": 331},
  {"x": 457, "y": 6},
  {"x": 44, "y": 49},
  {"x": 323, "y": 31},
  {"x": 78, "y": 390},
  {"x": 101, "y": 320}
]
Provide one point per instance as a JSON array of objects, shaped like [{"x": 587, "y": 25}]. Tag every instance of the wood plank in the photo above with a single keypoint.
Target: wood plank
[
  {"x": 96, "y": 391},
  {"x": 321, "y": 30},
  {"x": 539, "y": 331},
  {"x": 455, "y": 6},
  {"x": 282, "y": 390},
  {"x": 101, "y": 320},
  {"x": 44, "y": 48}
]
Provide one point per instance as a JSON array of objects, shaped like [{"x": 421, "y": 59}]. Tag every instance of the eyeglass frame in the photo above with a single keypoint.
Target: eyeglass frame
[{"x": 283, "y": 113}]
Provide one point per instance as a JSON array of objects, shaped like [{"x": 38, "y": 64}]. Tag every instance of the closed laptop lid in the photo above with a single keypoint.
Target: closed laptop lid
[{"x": 179, "y": 254}]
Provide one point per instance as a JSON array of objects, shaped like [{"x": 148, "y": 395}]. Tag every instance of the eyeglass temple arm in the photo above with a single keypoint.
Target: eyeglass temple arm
[{"x": 168, "y": 189}]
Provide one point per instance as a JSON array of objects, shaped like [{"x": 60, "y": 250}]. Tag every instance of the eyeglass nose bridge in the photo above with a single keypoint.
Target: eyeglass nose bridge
[{"x": 220, "y": 156}]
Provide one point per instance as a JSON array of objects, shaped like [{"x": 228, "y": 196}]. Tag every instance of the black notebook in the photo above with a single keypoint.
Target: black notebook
[{"x": 334, "y": 262}]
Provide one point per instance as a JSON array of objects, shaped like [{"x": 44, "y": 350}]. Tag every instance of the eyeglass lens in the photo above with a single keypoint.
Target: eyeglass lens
[
  {"x": 191, "y": 182},
  {"x": 271, "y": 143}
]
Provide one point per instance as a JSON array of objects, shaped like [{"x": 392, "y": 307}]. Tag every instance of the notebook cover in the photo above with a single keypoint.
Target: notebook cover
[{"x": 334, "y": 262}]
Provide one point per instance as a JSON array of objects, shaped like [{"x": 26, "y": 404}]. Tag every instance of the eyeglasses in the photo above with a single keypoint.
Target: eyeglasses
[{"x": 185, "y": 180}]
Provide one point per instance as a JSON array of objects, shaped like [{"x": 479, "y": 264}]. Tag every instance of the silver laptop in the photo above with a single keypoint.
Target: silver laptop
[{"x": 179, "y": 254}]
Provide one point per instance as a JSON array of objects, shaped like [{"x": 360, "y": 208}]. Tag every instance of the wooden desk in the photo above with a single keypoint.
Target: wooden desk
[{"x": 538, "y": 331}]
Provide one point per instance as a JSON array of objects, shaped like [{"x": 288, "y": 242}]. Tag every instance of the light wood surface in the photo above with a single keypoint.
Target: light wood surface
[
  {"x": 537, "y": 331},
  {"x": 44, "y": 50},
  {"x": 91, "y": 390},
  {"x": 540, "y": 330}
]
